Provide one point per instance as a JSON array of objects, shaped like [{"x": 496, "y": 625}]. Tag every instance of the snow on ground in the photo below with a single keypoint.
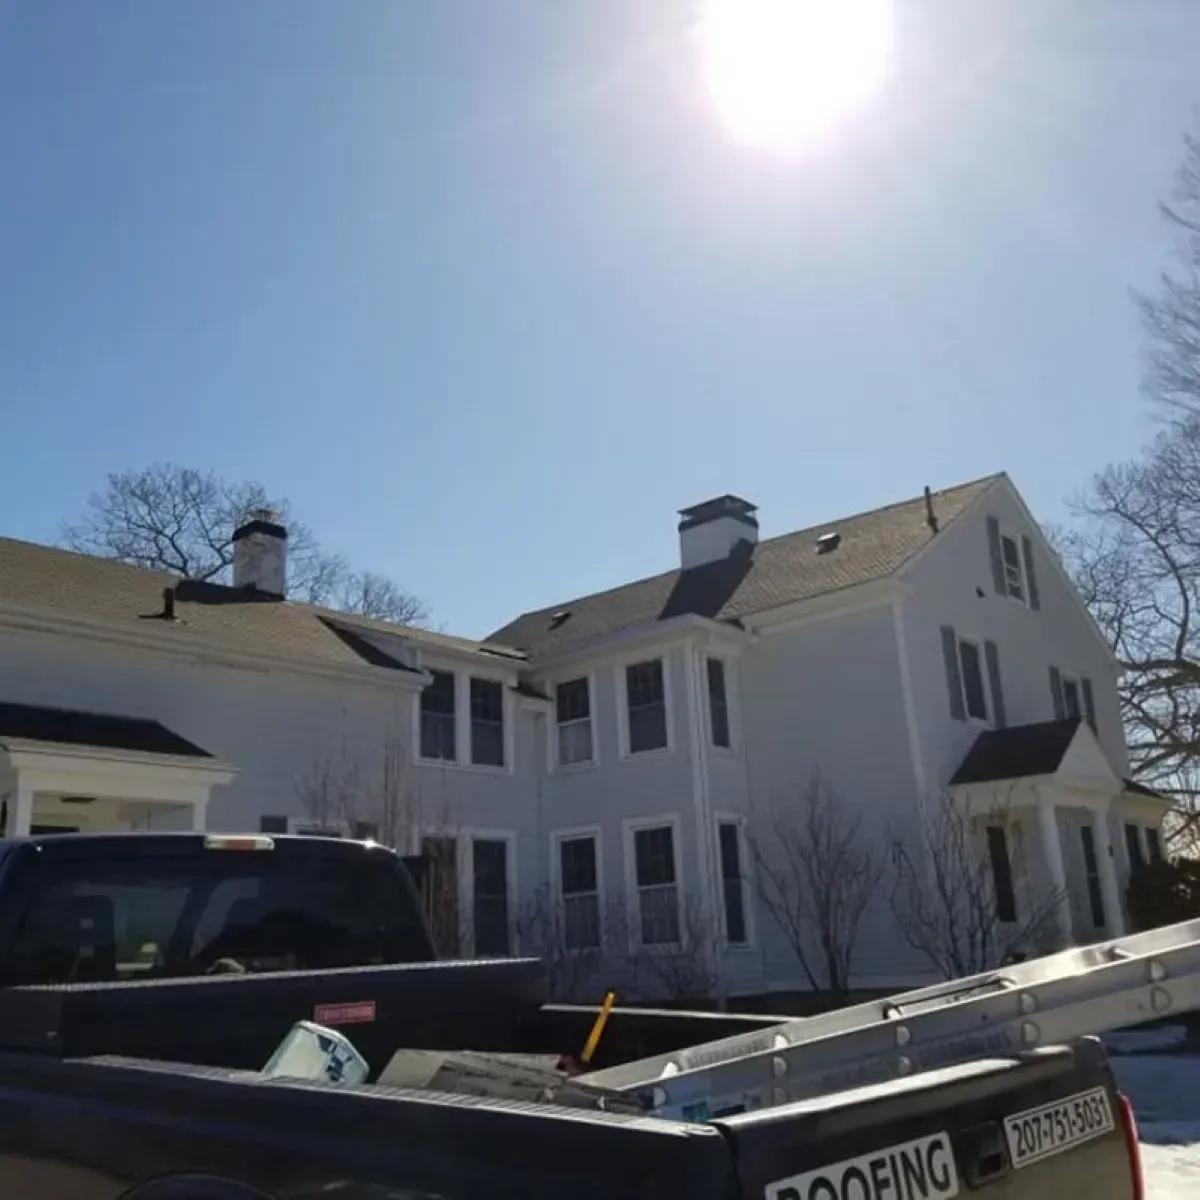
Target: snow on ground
[{"x": 1165, "y": 1092}]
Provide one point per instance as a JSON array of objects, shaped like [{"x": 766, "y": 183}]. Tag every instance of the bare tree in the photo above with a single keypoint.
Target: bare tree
[
  {"x": 572, "y": 950},
  {"x": 816, "y": 875},
  {"x": 1172, "y": 316},
  {"x": 171, "y": 518},
  {"x": 1134, "y": 548},
  {"x": 674, "y": 969},
  {"x": 945, "y": 900},
  {"x": 1135, "y": 558}
]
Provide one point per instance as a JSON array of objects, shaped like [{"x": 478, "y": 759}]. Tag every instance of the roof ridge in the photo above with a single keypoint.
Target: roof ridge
[{"x": 779, "y": 537}]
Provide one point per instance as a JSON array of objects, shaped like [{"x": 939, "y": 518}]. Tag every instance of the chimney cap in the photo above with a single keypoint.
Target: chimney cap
[
  {"x": 261, "y": 520},
  {"x": 720, "y": 506}
]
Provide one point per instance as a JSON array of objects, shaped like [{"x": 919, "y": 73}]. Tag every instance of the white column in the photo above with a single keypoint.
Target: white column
[
  {"x": 20, "y": 811},
  {"x": 1114, "y": 917},
  {"x": 1056, "y": 871},
  {"x": 199, "y": 815}
]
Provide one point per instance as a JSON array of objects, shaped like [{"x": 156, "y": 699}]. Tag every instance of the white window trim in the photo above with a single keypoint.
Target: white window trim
[
  {"x": 735, "y": 819},
  {"x": 553, "y": 763},
  {"x": 578, "y": 833},
  {"x": 731, "y": 704},
  {"x": 622, "y": 690},
  {"x": 985, "y": 679},
  {"x": 1015, "y": 538},
  {"x": 462, "y": 722},
  {"x": 463, "y": 836},
  {"x": 629, "y": 827}
]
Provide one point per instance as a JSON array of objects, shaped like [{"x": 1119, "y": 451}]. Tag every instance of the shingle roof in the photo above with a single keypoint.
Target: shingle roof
[
  {"x": 777, "y": 571},
  {"x": 61, "y": 581},
  {"x": 1017, "y": 752},
  {"x": 62, "y": 726}
]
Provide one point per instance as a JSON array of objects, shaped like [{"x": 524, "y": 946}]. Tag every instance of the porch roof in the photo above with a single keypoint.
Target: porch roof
[
  {"x": 55, "y": 755},
  {"x": 1017, "y": 752},
  {"x": 107, "y": 731}
]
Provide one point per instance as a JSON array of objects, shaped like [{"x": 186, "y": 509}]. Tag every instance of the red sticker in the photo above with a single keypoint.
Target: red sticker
[{"x": 360, "y": 1013}]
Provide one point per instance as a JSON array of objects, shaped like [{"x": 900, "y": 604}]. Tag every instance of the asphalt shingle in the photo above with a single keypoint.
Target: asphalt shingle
[
  {"x": 46, "y": 578},
  {"x": 777, "y": 571},
  {"x": 32, "y": 723}
]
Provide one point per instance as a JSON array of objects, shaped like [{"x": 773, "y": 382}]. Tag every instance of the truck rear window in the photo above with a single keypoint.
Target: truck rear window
[{"x": 120, "y": 919}]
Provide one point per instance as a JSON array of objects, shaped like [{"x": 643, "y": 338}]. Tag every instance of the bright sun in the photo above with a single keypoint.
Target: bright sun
[{"x": 783, "y": 71}]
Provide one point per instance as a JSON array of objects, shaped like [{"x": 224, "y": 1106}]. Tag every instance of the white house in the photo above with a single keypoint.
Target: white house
[{"x": 630, "y": 744}]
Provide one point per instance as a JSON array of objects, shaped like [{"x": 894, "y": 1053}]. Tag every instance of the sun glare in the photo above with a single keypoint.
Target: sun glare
[{"x": 783, "y": 71}]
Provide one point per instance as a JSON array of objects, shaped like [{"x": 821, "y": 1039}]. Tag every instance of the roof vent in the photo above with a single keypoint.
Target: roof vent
[
  {"x": 828, "y": 541},
  {"x": 559, "y": 618}
]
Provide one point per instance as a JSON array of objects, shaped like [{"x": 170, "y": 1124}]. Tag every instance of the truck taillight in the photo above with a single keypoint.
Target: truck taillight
[
  {"x": 218, "y": 841},
  {"x": 1132, "y": 1145}
]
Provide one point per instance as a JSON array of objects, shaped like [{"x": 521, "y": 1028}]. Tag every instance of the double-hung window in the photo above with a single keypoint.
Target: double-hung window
[
  {"x": 439, "y": 717},
  {"x": 646, "y": 700},
  {"x": 718, "y": 704},
  {"x": 733, "y": 883},
  {"x": 579, "y": 888},
  {"x": 970, "y": 665},
  {"x": 490, "y": 897},
  {"x": 487, "y": 723},
  {"x": 657, "y": 884},
  {"x": 573, "y": 714},
  {"x": 1014, "y": 569}
]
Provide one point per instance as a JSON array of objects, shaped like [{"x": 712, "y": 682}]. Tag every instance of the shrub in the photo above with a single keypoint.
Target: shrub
[{"x": 1163, "y": 893}]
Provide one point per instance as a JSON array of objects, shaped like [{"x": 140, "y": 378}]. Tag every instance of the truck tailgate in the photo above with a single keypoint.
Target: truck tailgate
[{"x": 1044, "y": 1125}]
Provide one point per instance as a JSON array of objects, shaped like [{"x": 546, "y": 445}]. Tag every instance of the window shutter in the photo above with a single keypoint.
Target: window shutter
[
  {"x": 953, "y": 675},
  {"x": 272, "y": 824},
  {"x": 1035, "y": 601},
  {"x": 1060, "y": 709},
  {"x": 1089, "y": 703},
  {"x": 993, "y": 534},
  {"x": 999, "y": 719}
]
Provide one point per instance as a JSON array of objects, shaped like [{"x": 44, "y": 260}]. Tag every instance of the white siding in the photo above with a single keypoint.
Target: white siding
[
  {"x": 276, "y": 727},
  {"x": 953, "y": 586},
  {"x": 826, "y": 697}
]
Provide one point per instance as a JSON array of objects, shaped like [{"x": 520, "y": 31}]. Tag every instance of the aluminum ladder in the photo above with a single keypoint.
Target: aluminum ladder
[{"x": 1042, "y": 1002}]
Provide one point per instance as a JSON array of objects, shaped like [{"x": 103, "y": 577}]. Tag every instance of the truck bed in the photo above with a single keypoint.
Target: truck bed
[{"x": 91, "y": 1128}]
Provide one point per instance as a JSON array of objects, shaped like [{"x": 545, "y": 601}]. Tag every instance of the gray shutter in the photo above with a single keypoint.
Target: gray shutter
[
  {"x": 272, "y": 824},
  {"x": 993, "y": 534},
  {"x": 953, "y": 675},
  {"x": 1060, "y": 709},
  {"x": 1035, "y": 600},
  {"x": 1089, "y": 703},
  {"x": 999, "y": 718}
]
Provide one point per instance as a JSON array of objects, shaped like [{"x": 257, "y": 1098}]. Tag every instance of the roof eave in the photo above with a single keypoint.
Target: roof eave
[
  {"x": 851, "y": 598},
  {"x": 644, "y": 634}
]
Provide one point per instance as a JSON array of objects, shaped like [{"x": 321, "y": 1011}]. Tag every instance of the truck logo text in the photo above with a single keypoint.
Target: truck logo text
[{"x": 919, "y": 1170}]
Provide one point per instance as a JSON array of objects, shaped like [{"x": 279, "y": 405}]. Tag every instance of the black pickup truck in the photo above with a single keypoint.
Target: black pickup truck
[{"x": 145, "y": 980}]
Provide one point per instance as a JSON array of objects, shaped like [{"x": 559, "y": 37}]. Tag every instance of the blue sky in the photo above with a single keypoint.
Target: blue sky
[{"x": 488, "y": 291}]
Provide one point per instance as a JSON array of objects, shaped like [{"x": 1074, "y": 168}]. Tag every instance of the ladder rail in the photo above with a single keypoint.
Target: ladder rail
[{"x": 1056, "y": 998}]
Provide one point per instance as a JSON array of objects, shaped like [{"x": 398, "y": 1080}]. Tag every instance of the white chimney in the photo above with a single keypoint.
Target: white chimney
[
  {"x": 713, "y": 530},
  {"x": 260, "y": 553}
]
